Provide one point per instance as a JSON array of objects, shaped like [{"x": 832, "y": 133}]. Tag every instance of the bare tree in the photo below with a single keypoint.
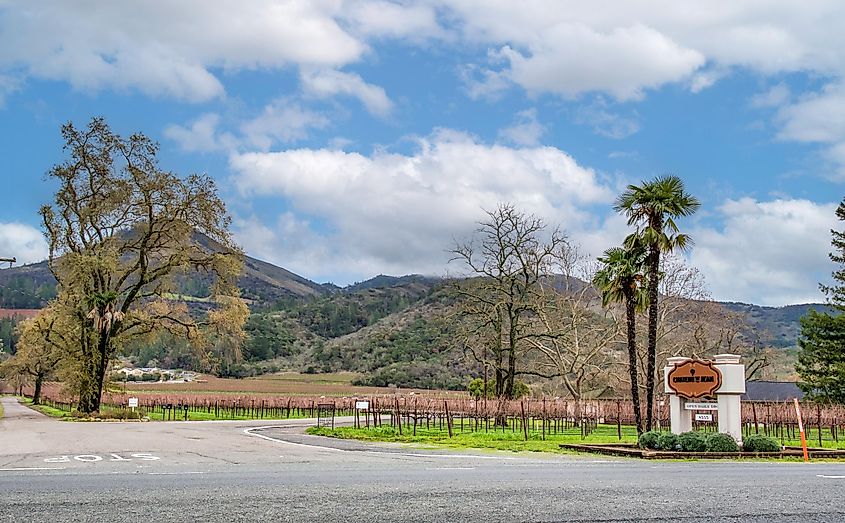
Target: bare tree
[
  {"x": 506, "y": 259},
  {"x": 576, "y": 338}
]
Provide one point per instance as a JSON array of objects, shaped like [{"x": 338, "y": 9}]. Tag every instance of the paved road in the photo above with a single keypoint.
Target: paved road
[{"x": 246, "y": 471}]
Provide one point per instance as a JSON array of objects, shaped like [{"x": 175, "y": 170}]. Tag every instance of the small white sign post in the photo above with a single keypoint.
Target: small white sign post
[
  {"x": 727, "y": 397},
  {"x": 133, "y": 403}
]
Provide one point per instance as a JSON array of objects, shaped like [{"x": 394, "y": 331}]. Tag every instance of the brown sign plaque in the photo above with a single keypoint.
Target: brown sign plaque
[{"x": 694, "y": 379}]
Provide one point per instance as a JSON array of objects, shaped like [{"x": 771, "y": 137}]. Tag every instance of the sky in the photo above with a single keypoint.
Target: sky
[{"x": 353, "y": 138}]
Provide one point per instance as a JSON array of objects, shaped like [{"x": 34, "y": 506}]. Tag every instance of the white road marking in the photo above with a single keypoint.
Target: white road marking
[
  {"x": 332, "y": 449},
  {"x": 93, "y": 458},
  {"x": 18, "y": 469},
  {"x": 268, "y": 438},
  {"x": 88, "y": 458},
  {"x": 451, "y": 468},
  {"x": 173, "y": 473},
  {"x": 829, "y": 477}
]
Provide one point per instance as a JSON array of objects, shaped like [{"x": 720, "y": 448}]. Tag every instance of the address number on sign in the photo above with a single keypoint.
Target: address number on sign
[{"x": 703, "y": 417}]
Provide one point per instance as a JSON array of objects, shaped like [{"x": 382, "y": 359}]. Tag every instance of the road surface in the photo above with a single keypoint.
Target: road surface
[{"x": 269, "y": 471}]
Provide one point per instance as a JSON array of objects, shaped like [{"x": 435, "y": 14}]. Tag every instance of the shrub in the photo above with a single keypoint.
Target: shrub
[
  {"x": 719, "y": 442},
  {"x": 668, "y": 441},
  {"x": 648, "y": 440},
  {"x": 692, "y": 442},
  {"x": 760, "y": 443}
]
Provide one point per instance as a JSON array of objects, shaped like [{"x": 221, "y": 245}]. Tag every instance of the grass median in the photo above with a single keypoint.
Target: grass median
[{"x": 507, "y": 439}]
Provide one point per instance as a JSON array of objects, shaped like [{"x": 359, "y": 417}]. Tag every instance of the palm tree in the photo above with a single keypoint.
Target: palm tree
[
  {"x": 653, "y": 208},
  {"x": 620, "y": 279}
]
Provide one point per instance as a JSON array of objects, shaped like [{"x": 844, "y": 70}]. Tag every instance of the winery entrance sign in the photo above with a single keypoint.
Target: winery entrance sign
[
  {"x": 693, "y": 379},
  {"x": 686, "y": 380}
]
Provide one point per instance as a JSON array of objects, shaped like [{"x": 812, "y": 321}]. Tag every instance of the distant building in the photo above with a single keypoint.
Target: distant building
[{"x": 772, "y": 391}]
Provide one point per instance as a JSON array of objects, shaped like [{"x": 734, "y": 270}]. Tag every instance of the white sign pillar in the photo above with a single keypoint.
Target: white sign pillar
[
  {"x": 680, "y": 419},
  {"x": 727, "y": 396}
]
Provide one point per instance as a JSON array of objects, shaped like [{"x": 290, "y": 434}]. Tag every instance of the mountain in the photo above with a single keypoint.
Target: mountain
[
  {"x": 32, "y": 286},
  {"x": 778, "y": 326},
  {"x": 392, "y": 329},
  {"x": 383, "y": 281}
]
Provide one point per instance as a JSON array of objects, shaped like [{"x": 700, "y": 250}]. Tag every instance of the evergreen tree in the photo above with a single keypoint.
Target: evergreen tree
[{"x": 821, "y": 362}]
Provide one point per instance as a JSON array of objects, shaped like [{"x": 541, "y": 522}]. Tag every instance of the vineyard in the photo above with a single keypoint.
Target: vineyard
[{"x": 457, "y": 413}]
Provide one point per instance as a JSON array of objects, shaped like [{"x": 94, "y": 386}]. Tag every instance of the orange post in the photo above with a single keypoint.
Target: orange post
[{"x": 801, "y": 430}]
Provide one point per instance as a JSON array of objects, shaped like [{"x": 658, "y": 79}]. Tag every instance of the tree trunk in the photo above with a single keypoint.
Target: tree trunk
[
  {"x": 630, "y": 313},
  {"x": 92, "y": 391},
  {"x": 653, "y": 276},
  {"x": 36, "y": 394}
]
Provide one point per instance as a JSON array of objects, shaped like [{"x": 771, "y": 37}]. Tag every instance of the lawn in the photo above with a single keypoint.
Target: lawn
[
  {"x": 512, "y": 440},
  {"x": 500, "y": 440}
]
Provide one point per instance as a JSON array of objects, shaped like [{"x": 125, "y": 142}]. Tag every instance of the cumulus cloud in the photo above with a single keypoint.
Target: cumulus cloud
[
  {"x": 169, "y": 48},
  {"x": 767, "y": 252},
  {"x": 626, "y": 48},
  {"x": 526, "y": 130},
  {"x": 390, "y": 212},
  {"x": 281, "y": 121},
  {"x": 817, "y": 118},
  {"x": 327, "y": 83},
  {"x": 21, "y": 241},
  {"x": 201, "y": 135},
  {"x": 622, "y": 50},
  {"x": 622, "y": 62}
]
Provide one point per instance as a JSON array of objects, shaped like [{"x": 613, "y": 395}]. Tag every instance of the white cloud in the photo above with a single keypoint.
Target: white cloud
[
  {"x": 818, "y": 118},
  {"x": 769, "y": 253},
  {"x": 776, "y": 96},
  {"x": 21, "y": 241},
  {"x": 604, "y": 122},
  {"x": 326, "y": 83},
  {"x": 525, "y": 131},
  {"x": 349, "y": 216},
  {"x": 281, "y": 121},
  {"x": 201, "y": 135},
  {"x": 622, "y": 62},
  {"x": 169, "y": 48},
  {"x": 396, "y": 213},
  {"x": 8, "y": 85},
  {"x": 625, "y": 48},
  {"x": 702, "y": 80},
  {"x": 377, "y": 18}
]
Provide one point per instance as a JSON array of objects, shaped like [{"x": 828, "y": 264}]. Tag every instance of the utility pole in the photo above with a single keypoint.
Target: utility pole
[{"x": 9, "y": 260}]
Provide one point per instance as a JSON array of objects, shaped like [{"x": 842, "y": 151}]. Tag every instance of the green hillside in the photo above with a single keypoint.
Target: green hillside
[{"x": 392, "y": 330}]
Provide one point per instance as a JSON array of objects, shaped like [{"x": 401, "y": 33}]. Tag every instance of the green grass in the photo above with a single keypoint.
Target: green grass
[
  {"x": 511, "y": 440},
  {"x": 44, "y": 409},
  {"x": 507, "y": 440},
  {"x": 1, "y": 411},
  {"x": 107, "y": 412}
]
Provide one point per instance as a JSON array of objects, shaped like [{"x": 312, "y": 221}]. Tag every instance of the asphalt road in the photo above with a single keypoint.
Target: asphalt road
[{"x": 246, "y": 471}]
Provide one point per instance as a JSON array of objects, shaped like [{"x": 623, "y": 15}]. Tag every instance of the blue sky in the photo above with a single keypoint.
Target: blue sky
[{"x": 351, "y": 138}]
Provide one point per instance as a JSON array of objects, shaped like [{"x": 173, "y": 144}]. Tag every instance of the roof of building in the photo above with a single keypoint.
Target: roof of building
[{"x": 771, "y": 391}]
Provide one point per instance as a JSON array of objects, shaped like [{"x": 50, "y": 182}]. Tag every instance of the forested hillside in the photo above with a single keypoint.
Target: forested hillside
[{"x": 391, "y": 330}]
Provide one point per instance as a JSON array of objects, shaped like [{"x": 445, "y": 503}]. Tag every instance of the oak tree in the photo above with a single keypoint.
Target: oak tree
[{"x": 120, "y": 231}]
